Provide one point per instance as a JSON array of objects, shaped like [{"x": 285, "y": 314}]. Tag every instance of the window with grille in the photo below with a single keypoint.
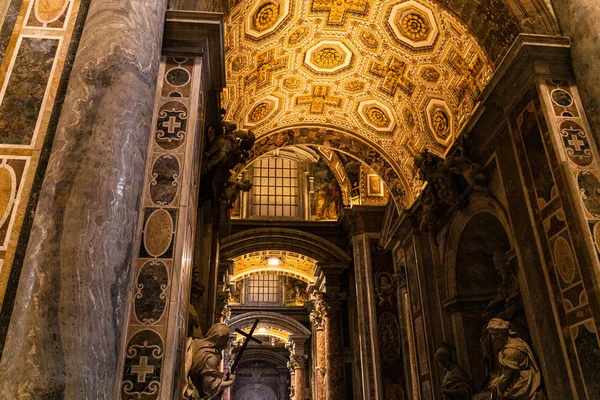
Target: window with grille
[
  {"x": 263, "y": 289},
  {"x": 275, "y": 188}
]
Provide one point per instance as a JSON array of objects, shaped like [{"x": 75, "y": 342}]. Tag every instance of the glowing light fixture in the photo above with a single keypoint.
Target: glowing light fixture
[
  {"x": 273, "y": 261},
  {"x": 262, "y": 330}
]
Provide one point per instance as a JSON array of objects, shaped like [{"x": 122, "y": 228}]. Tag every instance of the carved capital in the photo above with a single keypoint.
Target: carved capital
[
  {"x": 333, "y": 301},
  {"x": 318, "y": 313},
  {"x": 298, "y": 361}
]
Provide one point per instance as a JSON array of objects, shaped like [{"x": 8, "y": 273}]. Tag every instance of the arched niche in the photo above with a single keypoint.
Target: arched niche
[{"x": 474, "y": 234}]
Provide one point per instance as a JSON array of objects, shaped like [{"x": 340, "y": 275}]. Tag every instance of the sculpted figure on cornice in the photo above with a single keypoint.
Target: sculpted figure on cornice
[
  {"x": 433, "y": 171},
  {"x": 449, "y": 182},
  {"x": 231, "y": 145},
  {"x": 459, "y": 164}
]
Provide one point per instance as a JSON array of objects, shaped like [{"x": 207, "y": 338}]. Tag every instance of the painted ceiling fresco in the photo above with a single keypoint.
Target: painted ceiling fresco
[{"x": 399, "y": 75}]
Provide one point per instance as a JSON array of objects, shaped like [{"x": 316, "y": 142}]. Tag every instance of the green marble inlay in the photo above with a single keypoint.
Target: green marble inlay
[{"x": 22, "y": 101}]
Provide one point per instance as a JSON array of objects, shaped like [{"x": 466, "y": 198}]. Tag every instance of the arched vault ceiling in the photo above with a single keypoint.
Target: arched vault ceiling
[{"x": 403, "y": 75}]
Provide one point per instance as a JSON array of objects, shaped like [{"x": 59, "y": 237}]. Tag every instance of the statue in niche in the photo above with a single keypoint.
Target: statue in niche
[
  {"x": 202, "y": 365},
  {"x": 457, "y": 383},
  {"x": 257, "y": 370},
  {"x": 459, "y": 164},
  {"x": 520, "y": 377},
  {"x": 506, "y": 305}
]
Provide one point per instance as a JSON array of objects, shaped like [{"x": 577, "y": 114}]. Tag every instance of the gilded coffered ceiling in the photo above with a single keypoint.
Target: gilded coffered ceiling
[{"x": 398, "y": 75}]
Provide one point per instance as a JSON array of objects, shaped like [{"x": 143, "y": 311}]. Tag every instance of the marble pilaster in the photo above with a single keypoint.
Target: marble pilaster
[
  {"x": 334, "y": 345},
  {"x": 64, "y": 339},
  {"x": 579, "y": 19}
]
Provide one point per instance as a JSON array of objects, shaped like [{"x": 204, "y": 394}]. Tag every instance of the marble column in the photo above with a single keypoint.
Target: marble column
[
  {"x": 317, "y": 319},
  {"x": 579, "y": 19},
  {"x": 65, "y": 335},
  {"x": 292, "y": 380},
  {"x": 299, "y": 364},
  {"x": 335, "y": 346}
]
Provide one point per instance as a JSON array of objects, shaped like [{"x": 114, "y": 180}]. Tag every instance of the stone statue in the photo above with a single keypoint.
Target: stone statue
[
  {"x": 520, "y": 377},
  {"x": 257, "y": 370},
  {"x": 231, "y": 143},
  {"x": 506, "y": 305},
  {"x": 441, "y": 181},
  {"x": 457, "y": 384},
  {"x": 459, "y": 164},
  {"x": 232, "y": 190},
  {"x": 202, "y": 363}
]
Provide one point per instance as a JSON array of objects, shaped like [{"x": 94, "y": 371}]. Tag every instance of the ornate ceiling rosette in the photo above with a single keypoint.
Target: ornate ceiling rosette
[{"x": 403, "y": 75}]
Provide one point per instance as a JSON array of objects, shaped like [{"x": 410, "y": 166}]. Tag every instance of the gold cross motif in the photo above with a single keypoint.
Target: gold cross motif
[
  {"x": 319, "y": 99},
  {"x": 392, "y": 76},
  {"x": 266, "y": 65},
  {"x": 142, "y": 369},
  {"x": 171, "y": 124},
  {"x": 338, "y": 9}
]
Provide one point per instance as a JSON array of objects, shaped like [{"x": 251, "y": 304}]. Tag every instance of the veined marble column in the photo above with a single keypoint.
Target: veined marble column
[
  {"x": 579, "y": 19},
  {"x": 64, "y": 337},
  {"x": 292, "y": 380},
  {"x": 335, "y": 346},
  {"x": 317, "y": 319},
  {"x": 299, "y": 364}
]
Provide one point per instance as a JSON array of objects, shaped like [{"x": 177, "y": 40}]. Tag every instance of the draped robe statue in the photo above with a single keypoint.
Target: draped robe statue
[
  {"x": 520, "y": 377},
  {"x": 202, "y": 365}
]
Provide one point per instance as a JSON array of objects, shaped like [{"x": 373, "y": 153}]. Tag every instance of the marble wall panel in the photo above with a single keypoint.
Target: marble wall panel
[
  {"x": 165, "y": 237},
  {"x": 38, "y": 40},
  {"x": 24, "y": 91},
  {"x": 540, "y": 144},
  {"x": 386, "y": 310}
]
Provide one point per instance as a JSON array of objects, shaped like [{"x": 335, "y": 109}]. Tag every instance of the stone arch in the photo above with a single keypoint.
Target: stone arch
[
  {"x": 250, "y": 240},
  {"x": 260, "y": 355},
  {"x": 399, "y": 181},
  {"x": 280, "y": 321}
]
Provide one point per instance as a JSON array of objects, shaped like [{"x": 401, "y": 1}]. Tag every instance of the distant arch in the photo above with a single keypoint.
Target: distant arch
[
  {"x": 276, "y": 320},
  {"x": 250, "y": 240}
]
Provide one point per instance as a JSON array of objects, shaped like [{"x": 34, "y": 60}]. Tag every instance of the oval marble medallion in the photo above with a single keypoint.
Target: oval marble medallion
[
  {"x": 158, "y": 233},
  {"x": 164, "y": 185},
  {"x": 8, "y": 189},
  {"x": 589, "y": 187},
  {"x": 151, "y": 299},
  {"x": 47, "y": 11},
  {"x": 565, "y": 263}
]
